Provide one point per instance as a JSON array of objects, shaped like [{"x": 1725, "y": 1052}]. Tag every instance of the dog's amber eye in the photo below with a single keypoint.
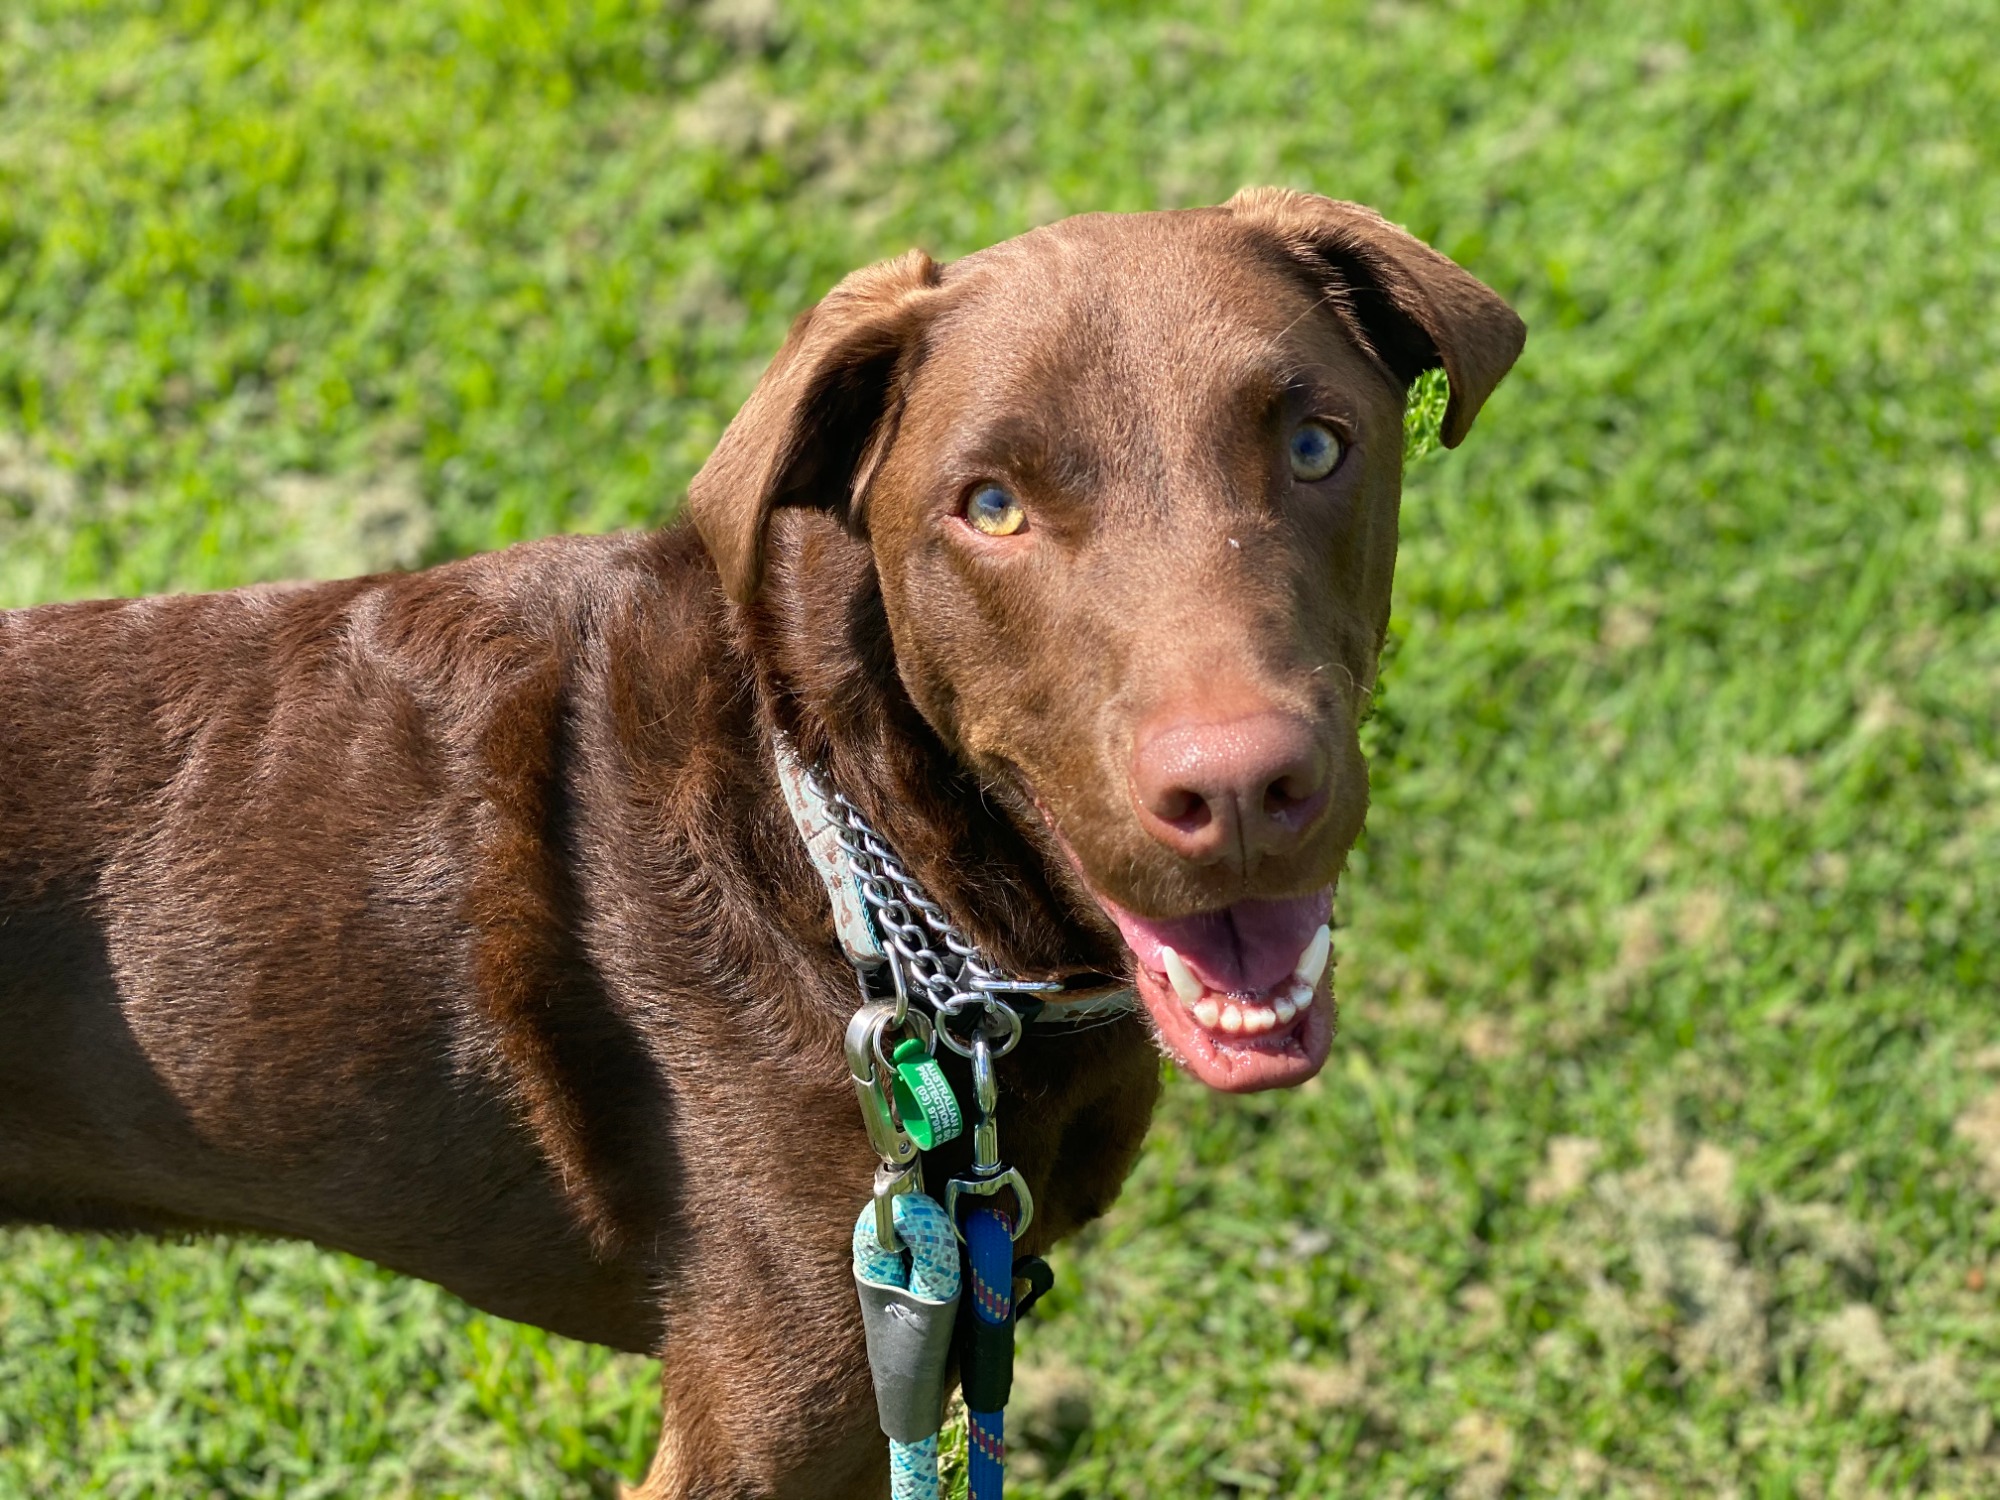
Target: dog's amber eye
[
  {"x": 995, "y": 512},
  {"x": 1315, "y": 452}
]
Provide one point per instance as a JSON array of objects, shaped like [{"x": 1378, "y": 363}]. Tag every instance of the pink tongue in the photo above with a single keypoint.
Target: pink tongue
[{"x": 1242, "y": 949}]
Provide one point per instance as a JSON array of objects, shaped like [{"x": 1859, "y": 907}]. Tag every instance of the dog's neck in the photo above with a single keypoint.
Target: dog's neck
[{"x": 824, "y": 665}]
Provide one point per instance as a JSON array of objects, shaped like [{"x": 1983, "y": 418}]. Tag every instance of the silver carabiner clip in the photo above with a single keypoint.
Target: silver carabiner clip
[
  {"x": 902, "y": 1168},
  {"x": 871, "y": 1086}
]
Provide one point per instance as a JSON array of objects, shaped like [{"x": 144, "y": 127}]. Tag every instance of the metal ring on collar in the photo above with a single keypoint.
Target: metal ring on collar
[
  {"x": 1004, "y": 1019},
  {"x": 917, "y": 1022}
]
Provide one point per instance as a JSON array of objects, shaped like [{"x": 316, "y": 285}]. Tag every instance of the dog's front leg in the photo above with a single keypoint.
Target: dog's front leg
[{"x": 766, "y": 1391}]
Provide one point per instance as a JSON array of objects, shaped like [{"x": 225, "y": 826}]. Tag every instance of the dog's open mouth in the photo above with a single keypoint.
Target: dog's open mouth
[{"x": 1241, "y": 997}]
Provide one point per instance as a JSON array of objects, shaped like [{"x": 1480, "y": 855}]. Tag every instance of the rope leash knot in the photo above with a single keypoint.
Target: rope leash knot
[{"x": 909, "y": 1335}]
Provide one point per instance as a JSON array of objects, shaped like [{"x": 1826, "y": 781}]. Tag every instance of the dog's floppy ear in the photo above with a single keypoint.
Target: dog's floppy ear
[
  {"x": 1417, "y": 309},
  {"x": 817, "y": 421}
]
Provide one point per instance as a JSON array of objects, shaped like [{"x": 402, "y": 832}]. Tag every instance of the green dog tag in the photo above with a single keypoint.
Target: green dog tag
[{"x": 924, "y": 1100}]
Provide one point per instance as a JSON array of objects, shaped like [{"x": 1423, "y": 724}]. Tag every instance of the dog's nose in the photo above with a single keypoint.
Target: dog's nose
[{"x": 1240, "y": 788}]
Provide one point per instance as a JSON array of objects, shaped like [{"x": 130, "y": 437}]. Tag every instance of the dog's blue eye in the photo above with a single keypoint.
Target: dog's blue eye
[
  {"x": 1315, "y": 452},
  {"x": 993, "y": 511}
]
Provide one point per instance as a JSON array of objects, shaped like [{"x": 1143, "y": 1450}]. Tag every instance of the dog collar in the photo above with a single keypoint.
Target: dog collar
[
  {"x": 814, "y": 821},
  {"x": 826, "y": 832}
]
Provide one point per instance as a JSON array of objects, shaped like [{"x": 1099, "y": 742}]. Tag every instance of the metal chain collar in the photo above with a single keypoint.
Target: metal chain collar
[{"x": 957, "y": 982}]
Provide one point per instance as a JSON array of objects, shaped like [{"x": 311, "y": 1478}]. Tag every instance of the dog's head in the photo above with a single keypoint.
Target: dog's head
[{"x": 1130, "y": 487}]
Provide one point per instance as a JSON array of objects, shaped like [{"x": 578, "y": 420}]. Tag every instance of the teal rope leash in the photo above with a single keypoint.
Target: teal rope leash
[{"x": 925, "y": 1264}]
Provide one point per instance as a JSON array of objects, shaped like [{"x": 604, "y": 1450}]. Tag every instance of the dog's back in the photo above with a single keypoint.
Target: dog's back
[{"x": 272, "y": 864}]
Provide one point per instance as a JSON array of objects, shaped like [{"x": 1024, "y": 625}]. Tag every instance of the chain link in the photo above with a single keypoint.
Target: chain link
[{"x": 955, "y": 982}]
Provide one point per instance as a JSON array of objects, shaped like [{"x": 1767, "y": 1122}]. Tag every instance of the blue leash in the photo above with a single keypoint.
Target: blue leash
[{"x": 989, "y": 1352}]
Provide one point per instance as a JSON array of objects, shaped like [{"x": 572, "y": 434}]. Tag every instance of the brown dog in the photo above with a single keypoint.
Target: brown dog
[{"x": 455, "y": 919}]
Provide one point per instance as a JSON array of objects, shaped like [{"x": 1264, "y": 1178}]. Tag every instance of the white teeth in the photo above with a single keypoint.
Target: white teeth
[
  {"x": 1180, "y": 976},
  {"x": 1233, "y": 1018},
  {"x": 1312, "y": 962}
]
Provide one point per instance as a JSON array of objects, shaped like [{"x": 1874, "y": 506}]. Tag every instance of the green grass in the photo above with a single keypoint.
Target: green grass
[{"x": 1660, "y": 1151}]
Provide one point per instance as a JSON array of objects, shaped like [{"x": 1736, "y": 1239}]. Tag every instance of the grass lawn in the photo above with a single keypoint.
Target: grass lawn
[{"x": 1660, "y": 1151}]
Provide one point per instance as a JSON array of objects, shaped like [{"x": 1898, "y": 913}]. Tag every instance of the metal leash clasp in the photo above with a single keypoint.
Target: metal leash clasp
[
  {"x": 868, "y": 1068},
  {"x": 989, "y": 1177}
]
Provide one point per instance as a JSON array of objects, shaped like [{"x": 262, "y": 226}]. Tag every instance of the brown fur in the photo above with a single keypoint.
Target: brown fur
[{"x": 453, "y": 919}]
